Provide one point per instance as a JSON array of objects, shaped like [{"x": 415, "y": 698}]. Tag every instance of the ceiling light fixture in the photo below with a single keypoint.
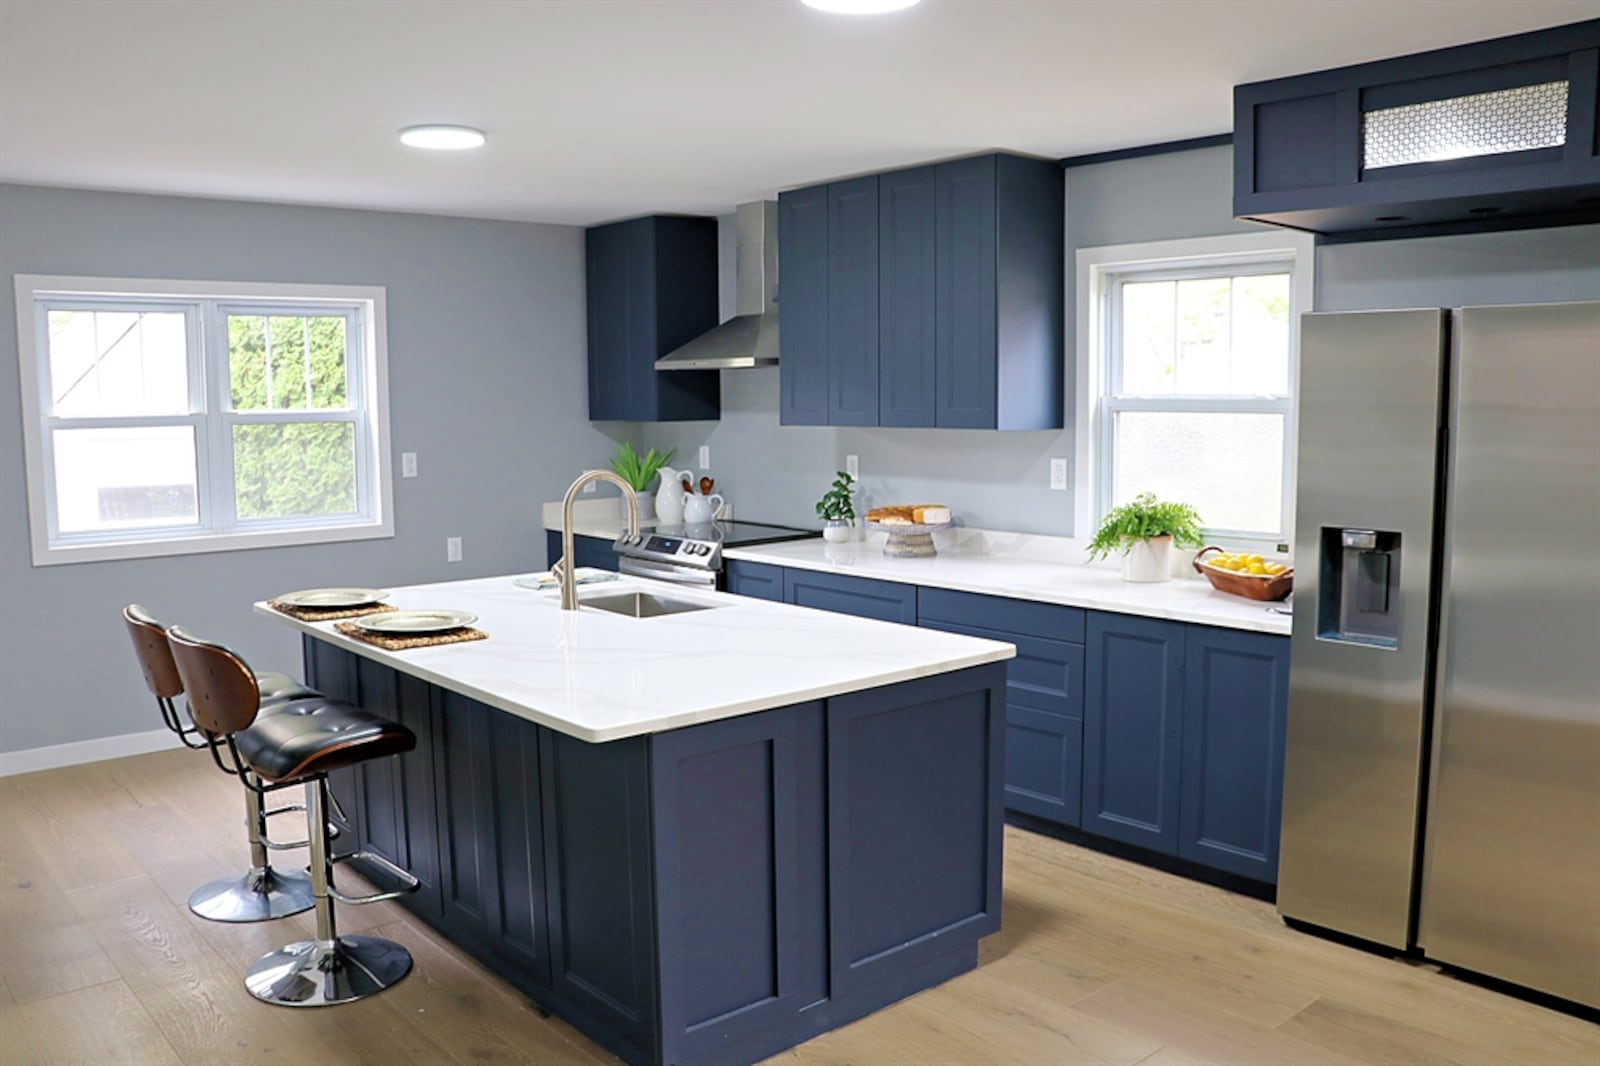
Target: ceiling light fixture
[
  {"x": 859, "y": 7},
  {"x": 442, "y": 138}
]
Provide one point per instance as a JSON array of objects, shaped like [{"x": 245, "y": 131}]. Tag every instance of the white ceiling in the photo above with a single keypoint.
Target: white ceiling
[{"x": 600, "y": 109}]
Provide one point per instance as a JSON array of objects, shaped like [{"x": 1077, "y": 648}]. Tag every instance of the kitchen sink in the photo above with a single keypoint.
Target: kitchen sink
[{"x": 643, "y": 605}]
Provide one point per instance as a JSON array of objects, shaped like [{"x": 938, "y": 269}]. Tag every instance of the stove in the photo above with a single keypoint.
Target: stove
[{"x": 692, "y": 555}]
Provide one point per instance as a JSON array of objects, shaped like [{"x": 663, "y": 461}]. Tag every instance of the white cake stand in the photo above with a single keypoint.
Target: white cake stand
[{"x": 913, "y": 541}]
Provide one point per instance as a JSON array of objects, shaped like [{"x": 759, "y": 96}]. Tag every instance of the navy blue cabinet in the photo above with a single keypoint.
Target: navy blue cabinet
[
  {"x": 1236, "y": 693},
  {"x": 651, "y": 287},
  {"x": 803, "y": 369},
  {"x": 853, "y": 302},
  {"x": 589, "y": 551},
  {"x": 1044, "y": 693},
  {"x": 1301, "y": 157},
  {"x": 887, "y": 601},
  {"x": 907, "y": 257},
  {"x": 927, "y": 297},
  {"x": 761, "y": 580},
  {"x": 1132, "y": 729}
]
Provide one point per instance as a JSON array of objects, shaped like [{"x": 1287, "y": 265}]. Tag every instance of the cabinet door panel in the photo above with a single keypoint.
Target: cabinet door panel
[
  {"x": 467, "y": 853},
  {"x": 803, "y": 369},
  {"x": 852, "y": 302},
  {"x": 608, "y": 279},
  {"x": 1133, "y": 721},
  {"x": 887, "y": 601},
  {"x": 588, "y": 551},
  {"x": 332, "y": 672},
  {"x": 518, "y": 936},
  {"x": 967, "y": 341},
  {"x": 907, "y": 231},
  {"x": 1235, "y": 708}
]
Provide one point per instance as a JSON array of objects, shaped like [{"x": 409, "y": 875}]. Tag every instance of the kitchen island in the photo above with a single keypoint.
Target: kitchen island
[{"x": 700, "y": 837}]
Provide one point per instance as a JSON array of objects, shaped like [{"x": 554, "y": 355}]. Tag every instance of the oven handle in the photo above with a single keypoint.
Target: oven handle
[{"x": 678, "y": 575}]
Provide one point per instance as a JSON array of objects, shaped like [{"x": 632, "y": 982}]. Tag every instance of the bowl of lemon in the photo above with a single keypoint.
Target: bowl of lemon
[{"x": 1242, "y": 574}]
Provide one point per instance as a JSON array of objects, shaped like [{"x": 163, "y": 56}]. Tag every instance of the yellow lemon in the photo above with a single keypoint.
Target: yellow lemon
[{"x": 1257, "y": 568}]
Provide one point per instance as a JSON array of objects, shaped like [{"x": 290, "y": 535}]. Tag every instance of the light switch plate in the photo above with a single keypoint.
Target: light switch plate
[
  {"x": 1058, "y": 475},
  {"x": 408, "y": 464},
  {"x": 852, "y": 466},
  {"x": 452, "y": 549},
  {"x": 705, "y": 457}
]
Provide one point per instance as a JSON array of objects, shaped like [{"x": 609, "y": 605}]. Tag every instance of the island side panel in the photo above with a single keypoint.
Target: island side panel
[
  {"x": 915, "y": 808},
  {"x": 740, "y": 878},
  {"x": 332, "y": 671}
]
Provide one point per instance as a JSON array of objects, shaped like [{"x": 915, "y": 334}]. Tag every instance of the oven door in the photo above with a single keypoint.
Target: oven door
[{"x": 678, "y": 575}]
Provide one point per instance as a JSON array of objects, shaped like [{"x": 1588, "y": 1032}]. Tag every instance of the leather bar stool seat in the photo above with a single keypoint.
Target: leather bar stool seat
[
  {"x": 305, "y": 737},
  {"x": 300, "y": 742},
  {"x": 261, "y": 892}
]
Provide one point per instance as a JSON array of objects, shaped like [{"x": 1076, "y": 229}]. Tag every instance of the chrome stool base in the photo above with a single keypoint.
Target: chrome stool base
[
  {"x": 320, "y": 973},
  {"x": 256, "y": 896}
]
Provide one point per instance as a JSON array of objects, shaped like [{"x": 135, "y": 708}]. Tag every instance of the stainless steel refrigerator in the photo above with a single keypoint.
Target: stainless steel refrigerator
[{"x": 1442, "y": 777}]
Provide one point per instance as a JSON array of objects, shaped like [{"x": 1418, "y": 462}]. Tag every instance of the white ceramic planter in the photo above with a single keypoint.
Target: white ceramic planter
[
  {"x": 836, "y": 530},
  {"x": 647, "y": 507},
  {"x": 1148, "y": 560}
]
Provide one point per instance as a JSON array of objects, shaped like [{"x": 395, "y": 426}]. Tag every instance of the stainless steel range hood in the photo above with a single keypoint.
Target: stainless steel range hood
[{"x": 750, "y": 338}]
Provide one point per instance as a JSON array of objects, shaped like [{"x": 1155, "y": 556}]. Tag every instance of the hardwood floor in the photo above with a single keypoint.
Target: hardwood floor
[{"x": 1100, "y": 961}]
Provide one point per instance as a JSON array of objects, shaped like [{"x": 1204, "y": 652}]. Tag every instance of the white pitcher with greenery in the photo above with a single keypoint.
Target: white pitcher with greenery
[{"x": 1144, "y": 531}]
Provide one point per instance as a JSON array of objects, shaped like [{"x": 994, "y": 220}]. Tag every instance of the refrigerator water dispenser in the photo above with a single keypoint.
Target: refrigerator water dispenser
[{"x": 1358, "y": 598}]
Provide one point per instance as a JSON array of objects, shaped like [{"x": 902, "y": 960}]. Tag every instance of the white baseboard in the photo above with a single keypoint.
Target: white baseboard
[{"x": 81, "y": 751}]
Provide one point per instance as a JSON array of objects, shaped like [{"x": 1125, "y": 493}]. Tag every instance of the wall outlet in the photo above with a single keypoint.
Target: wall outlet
[
  {"x": 452, "y": 549},
  {"x": 852, "y": 466},
  {"x": 408, "y": 464},
  {"x": 705, "y": 457},
  {"x": 1058, "y": 475}
]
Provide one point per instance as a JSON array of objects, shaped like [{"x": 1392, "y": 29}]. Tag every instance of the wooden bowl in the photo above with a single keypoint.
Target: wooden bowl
[{"x": 1264, "y": 587}]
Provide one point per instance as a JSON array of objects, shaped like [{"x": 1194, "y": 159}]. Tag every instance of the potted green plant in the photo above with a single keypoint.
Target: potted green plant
[
  {"x": 1143, "y": 531},
  {"x": 837, "y": 510},
  {"x": 637, "y": 470}
]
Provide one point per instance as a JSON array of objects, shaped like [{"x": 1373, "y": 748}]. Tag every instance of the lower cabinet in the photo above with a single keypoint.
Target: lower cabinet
[
  {"x": 1044, "y": 693},
  {"x": 1132, "y": 728},
  {"x": 887, "y": 601},
  {"x": 589, "y": 551}
]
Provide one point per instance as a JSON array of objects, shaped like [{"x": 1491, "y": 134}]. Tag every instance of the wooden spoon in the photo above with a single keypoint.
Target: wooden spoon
[{"x": 705, "y": 486}]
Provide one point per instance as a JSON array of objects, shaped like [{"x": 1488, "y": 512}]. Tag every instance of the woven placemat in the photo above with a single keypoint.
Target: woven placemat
[
  {"x": 328, "y": 614},
  {"x": 420, "y": 640}
]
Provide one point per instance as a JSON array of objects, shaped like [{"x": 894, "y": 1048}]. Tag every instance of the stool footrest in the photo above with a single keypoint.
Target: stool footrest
[{"x": 409, "y": 883}]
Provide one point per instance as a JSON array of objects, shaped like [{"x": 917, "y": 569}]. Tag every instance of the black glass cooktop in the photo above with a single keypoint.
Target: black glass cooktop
[{"x": 739, "y": 534}]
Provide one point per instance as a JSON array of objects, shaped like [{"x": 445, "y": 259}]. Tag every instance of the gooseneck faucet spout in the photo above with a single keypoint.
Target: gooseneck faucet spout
[{"x": 565, "y": 572}]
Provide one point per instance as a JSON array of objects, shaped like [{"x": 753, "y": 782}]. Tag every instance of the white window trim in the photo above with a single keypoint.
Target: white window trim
[
  {"x": 1096, "y": 265},
  {"x": 377, "y": 523}
]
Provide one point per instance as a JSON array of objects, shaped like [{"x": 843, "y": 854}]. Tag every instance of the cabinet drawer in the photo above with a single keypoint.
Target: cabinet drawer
[
  {"x": 1048, "y": 620},
  {"x": 761, "y": 580},
  {"x": 1046, "y": 675},
  {"x": 887, "y": 601}
]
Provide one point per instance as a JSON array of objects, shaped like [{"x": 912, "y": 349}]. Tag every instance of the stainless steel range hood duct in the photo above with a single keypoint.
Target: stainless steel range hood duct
[{"x": 750, "y": 338}]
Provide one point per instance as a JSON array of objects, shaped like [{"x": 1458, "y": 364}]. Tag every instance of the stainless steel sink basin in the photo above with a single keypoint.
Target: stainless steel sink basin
[{"x": 642, "y": 605}]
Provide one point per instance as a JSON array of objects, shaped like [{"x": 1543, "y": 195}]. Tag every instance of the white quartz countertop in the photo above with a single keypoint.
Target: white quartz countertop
[
  {"x": 599, "y": 676},
  {"x": 993, "y": 572}
]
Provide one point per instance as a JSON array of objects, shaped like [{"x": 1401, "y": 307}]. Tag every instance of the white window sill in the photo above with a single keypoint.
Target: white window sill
[{"x": 197, "y": 544}]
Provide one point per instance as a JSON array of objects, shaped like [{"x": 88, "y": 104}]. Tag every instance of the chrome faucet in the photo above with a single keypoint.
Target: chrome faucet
[{"x": 564, "y": 571}]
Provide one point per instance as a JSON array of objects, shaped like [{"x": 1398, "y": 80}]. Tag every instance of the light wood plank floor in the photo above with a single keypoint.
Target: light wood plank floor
[{"x": 1100, "y": 961}]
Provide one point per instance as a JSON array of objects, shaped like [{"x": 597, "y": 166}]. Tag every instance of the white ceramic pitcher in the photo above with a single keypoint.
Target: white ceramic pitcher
[
  {"x": 670, "y": 497},
  {"x": 701, "y": 508}
]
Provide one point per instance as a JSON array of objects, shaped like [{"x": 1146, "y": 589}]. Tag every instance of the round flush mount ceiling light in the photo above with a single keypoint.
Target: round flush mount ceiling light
[
  {"x": 442, "y": 138},
  {"x": 859, "y": 7}
]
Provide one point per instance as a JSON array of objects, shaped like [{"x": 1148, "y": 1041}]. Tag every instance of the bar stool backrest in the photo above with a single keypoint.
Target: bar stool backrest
[
  {"x": 154, "y": 654},
  {"x": 223, "y": 695}
]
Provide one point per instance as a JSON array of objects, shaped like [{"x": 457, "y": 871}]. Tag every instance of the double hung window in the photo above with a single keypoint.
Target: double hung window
[
  {"x": 172, "y": 417},
  {"x": 1189, "y": 356}
]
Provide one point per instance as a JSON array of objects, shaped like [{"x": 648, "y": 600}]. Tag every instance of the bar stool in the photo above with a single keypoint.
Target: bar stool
[
  {"x": 261, "y": 892},
  {"x": 298, "y": 745}
]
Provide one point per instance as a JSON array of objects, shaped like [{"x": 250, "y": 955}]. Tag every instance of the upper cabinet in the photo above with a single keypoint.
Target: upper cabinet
[
  {"x": 652, "y": 286},
  {"x": 1494, "y": 134},
  {"x": 929, "y": 297}
]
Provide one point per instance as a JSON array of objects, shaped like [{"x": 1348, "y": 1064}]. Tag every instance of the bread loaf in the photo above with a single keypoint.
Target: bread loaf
[
  {"x": 879, "y": 514},
  {"x": 930, "y": 514}
]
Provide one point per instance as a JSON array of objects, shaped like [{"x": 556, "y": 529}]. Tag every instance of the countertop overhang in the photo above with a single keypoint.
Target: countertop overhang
[{"x": 599, "y": 676}]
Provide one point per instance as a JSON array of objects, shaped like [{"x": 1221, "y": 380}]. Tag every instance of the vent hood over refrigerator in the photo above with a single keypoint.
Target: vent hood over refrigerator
[{"x": 750, "y": 338}]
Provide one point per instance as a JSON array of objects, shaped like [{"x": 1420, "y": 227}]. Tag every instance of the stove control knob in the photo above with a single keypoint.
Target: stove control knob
[{"x": 705, "y": 549}]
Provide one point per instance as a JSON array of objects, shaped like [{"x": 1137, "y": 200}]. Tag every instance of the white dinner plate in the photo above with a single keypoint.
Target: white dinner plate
[
  {"x": 415, "y": 621},
  {"x": 332, "y": 597}
]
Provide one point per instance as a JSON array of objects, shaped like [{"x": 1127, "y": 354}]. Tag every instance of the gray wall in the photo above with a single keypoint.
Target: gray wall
[
  {"x": 1000, "y": 480},
  {"x": 487, "y": 385}
]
